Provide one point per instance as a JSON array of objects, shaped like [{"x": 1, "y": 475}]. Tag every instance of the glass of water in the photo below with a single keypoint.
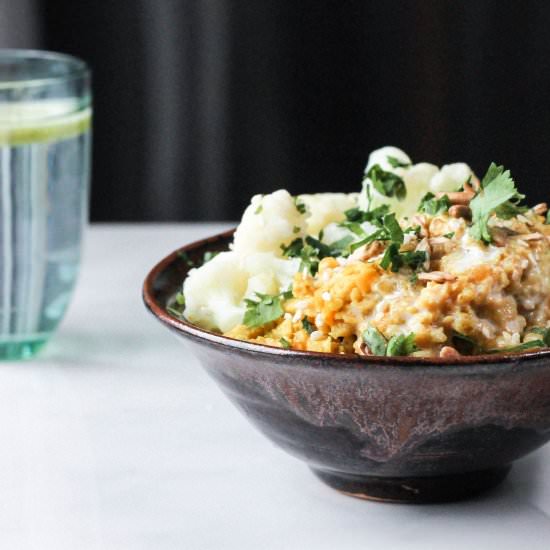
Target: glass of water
[{"x": 45, "y": 117}]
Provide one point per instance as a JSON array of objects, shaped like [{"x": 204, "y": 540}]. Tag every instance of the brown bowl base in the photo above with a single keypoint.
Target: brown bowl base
[{"x": 414, "y": 490}]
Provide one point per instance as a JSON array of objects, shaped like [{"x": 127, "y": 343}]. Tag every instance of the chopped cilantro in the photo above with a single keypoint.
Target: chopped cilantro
[
  {"x": 285, "y": 344},
  {"x": 390, "y": 230},
  {"x": 449, "y": 235},
  {"x": 543, "y": 342},
  {"x": 208, "y": 256},
  {"x": 308, "y": 255},
  {"x": 300, "y": 206},
  {"x": 497, "y": 189},
  {"x": 386, "y": 183},
  {"x": 259, "y": 209},
  {"x": 293, "y": 249},
  {"x": 375, "y": 341},
  {"x": 323, "y": 250},
  {"x": 393, "y": 228},
  {"x": 430, "y": 205},
  {"x": 355, "y": 228},
  {"x": 287, "y": 294},
  {"x": 544, "y": 332},
  {"x": 378, "y": 235},
  {"x": 401, "y": 345},
  {"x": 374, "y": 216},
  {"x": 311, "y": 250},
  {"x": 392, "y": 257},
  {"x": 295, "y": 229},
  {"x": 341, "y": 246},
  {"x": 414, "y": 258},
  {"x": 177, "y": 305},
  {"x": 396, "y": 163},
  {"x": 492, "y": 172},
  {"x": 510, "y": 209},
  {"x": 464, "y": 344},
  {"x": 187, "y": 259},
  {"x": 266, "y": 309},
  {"x": 307, "y": 325},
  {"x": 520, "y": 347}
]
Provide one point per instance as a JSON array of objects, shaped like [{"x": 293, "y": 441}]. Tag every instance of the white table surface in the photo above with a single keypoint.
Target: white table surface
[{"x": 114, "y": 438}]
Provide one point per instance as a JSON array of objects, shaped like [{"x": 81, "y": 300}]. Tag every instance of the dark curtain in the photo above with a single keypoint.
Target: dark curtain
[{"x": 201, "y": 103}]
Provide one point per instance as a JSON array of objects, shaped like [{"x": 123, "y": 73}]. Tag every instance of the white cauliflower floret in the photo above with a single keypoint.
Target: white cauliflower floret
[
  {"x": 325, "y": 208},
  {"x": 215, "y": 292},
  {"x": 419, "y": 179},
  {"x": 269, "y": 221},
  {"x": 380, "y": 157},
  {"x": 268, "y": 274},
  {"x": 451, "y": 177}
]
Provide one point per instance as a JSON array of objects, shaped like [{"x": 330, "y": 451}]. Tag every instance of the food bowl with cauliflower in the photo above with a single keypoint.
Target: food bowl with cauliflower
[{"x": 395, "y": 339}]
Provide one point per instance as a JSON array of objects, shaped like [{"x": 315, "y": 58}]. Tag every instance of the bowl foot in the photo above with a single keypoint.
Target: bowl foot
[{"x": 414, "y": 490}]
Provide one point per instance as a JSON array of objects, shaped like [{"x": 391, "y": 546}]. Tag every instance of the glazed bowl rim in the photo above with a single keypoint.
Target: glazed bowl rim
[{"x": 338, "y": 361}]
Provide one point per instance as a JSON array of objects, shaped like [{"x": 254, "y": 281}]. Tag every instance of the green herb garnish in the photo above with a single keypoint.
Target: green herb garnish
[
  {"x": 544, "y": 332},
  {"x": 374, "y": 216},
  {"x": 396, "y": 163},
  {"x": 187, "y": 259},
  {"x": 311, "y": 250},
  {"x": 520, "y": 347},
  {"x": 307, "y": 325},
  {"x": 396, "y": 259},
  {"x": 401, "y": 345},
  {"x": 259, "y": 209},
  {"x": 208, "y": 256},
  {"x": 285, "y": 344},
  {"x": 295, "y": 229},
  {"x": 300, "y": 206},
  {"x": 464, "y": 344},
  {"x": 389, "y": 230},
  {"x": 543, "y": 342},
  {"x": 397, "y": 345},
  {"x": 386, "y": 183},
  {"x": 177, "y": 307},
  {"x": 375, "y": 341},
  {"x": 497, "y": 195},
  {"x": 430, "y": 205},
  {"x": 266, "y": 309}
]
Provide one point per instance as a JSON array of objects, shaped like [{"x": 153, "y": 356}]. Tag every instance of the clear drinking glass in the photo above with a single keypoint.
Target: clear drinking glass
[{"x": 45, "y": 118}]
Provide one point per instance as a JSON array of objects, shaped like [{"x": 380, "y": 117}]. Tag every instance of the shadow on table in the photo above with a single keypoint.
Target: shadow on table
[{"x": 521, "y": 499}]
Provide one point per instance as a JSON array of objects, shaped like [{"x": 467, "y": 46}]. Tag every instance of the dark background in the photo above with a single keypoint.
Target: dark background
[{"x": 201, "y": 103}]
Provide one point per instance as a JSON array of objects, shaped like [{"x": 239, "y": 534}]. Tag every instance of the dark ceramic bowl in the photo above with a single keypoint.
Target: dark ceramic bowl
[{"x": 395, "y": 429}]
